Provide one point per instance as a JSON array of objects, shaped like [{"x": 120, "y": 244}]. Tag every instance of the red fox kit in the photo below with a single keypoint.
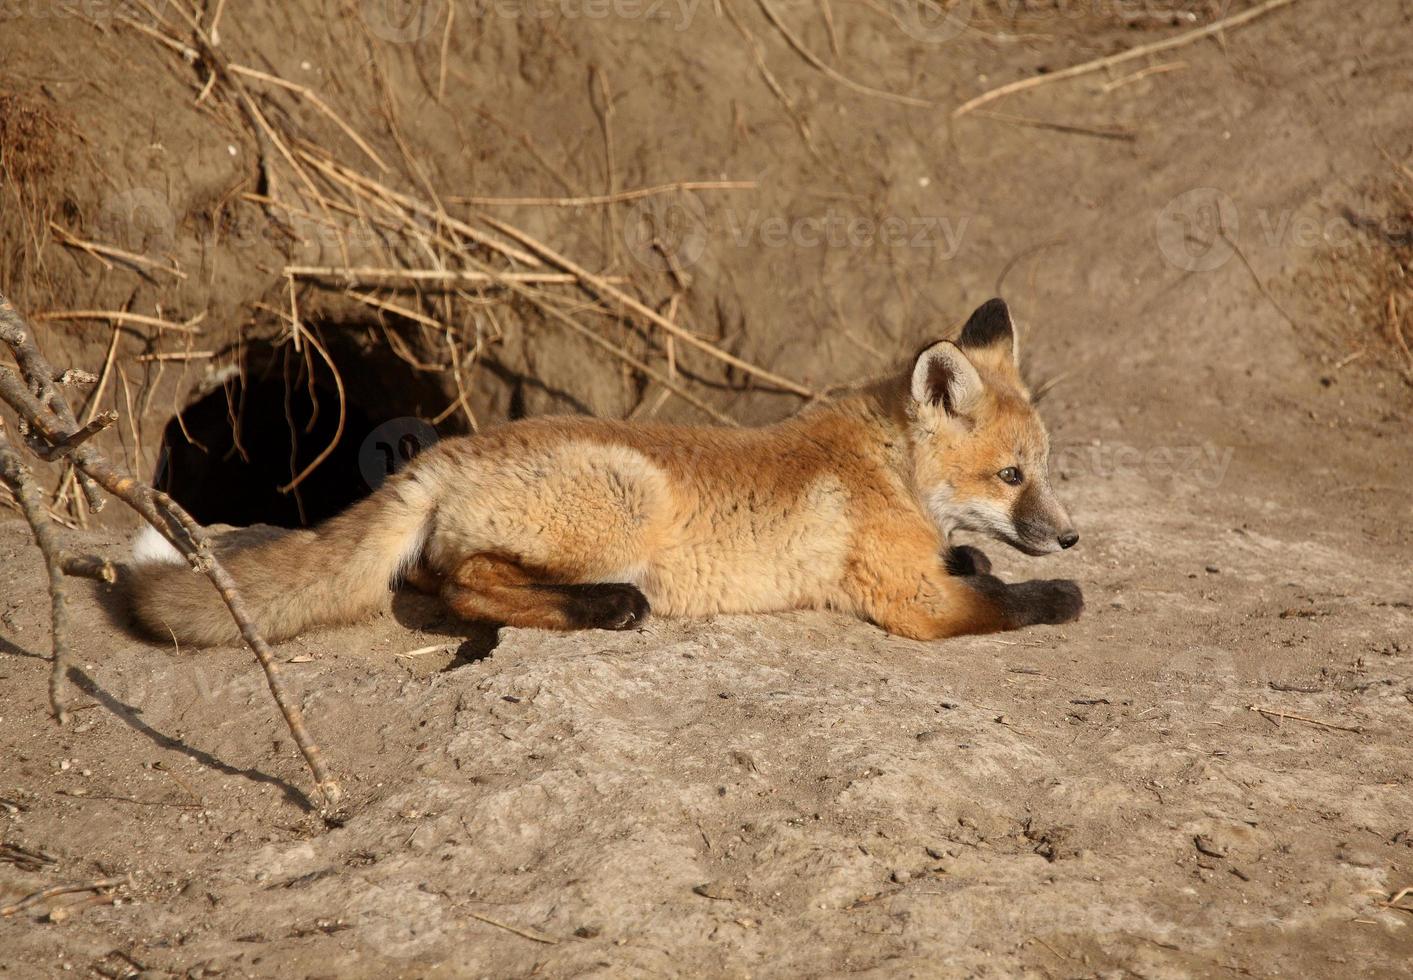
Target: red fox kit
[{"x": 569, "y": 523}]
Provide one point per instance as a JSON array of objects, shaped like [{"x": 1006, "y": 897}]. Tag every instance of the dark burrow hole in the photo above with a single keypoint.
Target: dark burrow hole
[{"x": 235, "y": 446}]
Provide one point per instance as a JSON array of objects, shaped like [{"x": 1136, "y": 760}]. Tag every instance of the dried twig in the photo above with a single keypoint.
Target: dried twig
[
  {"x": 563, "y": 318},
  {"x": 54, "y": 891},
  {"x": 602, "y": 287},
  {"x": 842, "y": 79},
  {"x": 343, "y": 416},
  {"x": 113, "y": 252},
  {"x": 24, "y": 858},
  {"x": 1143, "y": 73},
  {"x": 121, "y": 317},
  {"x": 368, "y": 275},
  {"x": 1273, "y": 713},
  {"x": 20, "y": 481},
  {"x": 1101, "y": 132},
  {"x": 318, "y": 103},
  {"x": 615, "y": 198},
  {"x": 1143, "y": 50},
  {"x": 538, "y": 937},
  {"x": 170, "y": 519},
  {"x": 97, "y": 424},
  {"x": 348, "y": 176},
  {"x": 40, "y": 377}
]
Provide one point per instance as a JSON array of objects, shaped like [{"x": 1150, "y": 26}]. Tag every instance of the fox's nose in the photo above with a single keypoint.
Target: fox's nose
[{"x": 1068, "y": 539}]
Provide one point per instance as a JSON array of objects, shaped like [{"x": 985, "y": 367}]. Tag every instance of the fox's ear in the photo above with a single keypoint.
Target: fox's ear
[
  {"x": 944, "y": 378},
  {"x": 991, "y": 333}
]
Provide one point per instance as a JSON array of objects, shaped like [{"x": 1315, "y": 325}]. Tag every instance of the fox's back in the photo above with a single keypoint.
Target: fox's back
[{"x": 702, "y": 519}]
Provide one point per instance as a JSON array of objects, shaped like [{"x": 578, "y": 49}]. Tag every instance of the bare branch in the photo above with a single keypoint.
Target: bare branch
[
  {"x": 48, "y": 420},
  {"x": 17, "y": 476}
]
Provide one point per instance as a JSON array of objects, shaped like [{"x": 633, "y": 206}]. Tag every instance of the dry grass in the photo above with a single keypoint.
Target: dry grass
[
  {"x": 1362, "y": 288},
  {"x": 444, "y": 279},
  {"x": 35, "y": 142}
]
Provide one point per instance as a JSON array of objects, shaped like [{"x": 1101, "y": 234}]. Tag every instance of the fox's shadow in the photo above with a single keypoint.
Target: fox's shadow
[{"x": 426, "y": 614}]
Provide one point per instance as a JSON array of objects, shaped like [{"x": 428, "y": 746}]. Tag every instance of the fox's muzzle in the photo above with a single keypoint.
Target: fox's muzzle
[{"x": 1042, "y": 524}]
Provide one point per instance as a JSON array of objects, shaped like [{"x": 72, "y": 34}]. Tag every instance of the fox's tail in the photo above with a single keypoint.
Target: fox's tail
[{"x": 336, "y": 573}]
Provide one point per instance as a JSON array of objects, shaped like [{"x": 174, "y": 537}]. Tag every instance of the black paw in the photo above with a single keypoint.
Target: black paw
[
  {"x": 608, "y": 606},
  {"x": 1049, "y": 602},
  {"x": 965, "y": 560}
]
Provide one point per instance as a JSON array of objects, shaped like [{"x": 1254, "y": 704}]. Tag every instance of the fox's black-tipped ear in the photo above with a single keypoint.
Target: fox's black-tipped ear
[
  {"x": 944, "y": 379},
  {"x": 990, "y": 329}
]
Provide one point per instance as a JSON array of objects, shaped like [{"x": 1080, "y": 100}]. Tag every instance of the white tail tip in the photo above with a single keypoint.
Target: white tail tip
[{"x": 150, "y": 548}]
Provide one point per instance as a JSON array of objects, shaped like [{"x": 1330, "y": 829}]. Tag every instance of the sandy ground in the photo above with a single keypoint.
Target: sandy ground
[{"x": 801, "y": 794}]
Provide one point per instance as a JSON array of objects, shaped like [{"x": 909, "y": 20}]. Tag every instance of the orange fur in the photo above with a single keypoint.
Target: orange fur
[{"x": 848, "y": 505}]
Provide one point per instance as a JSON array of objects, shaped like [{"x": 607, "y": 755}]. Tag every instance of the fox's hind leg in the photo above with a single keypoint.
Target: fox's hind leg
[
  {"x": 496, "y": 589},
  {"x": 423, "y": 579}
]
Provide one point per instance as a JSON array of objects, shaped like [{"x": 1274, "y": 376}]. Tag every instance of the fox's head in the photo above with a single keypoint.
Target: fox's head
[{"x": 980, "y": 452}]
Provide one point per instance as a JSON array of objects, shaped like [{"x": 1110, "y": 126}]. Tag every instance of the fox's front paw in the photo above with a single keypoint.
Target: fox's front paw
[
  {"x": 1049, "y": 602},
  {"x": 610, "y": 606},
  {"x": 965, "y": 560}
]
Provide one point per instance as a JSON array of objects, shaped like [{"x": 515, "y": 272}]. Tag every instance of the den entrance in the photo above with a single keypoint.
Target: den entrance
[{"x": 264, "y": 443}]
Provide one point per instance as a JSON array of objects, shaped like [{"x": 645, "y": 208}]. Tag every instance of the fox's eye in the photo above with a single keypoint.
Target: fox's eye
[{"x": 1011, "y": 475}]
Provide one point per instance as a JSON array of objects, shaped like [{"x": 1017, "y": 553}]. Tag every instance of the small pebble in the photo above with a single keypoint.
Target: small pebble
[{"x": 902, "y": 877}]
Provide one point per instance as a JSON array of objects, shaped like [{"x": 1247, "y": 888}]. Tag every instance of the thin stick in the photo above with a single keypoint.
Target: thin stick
[
  {"x": 842, "y": 79},
  {"x": 121, "y": 317},
  {"x": 20, "y": 482},
  {"x": 538, "y": 937},
  {"x": 57, "y": 890},
  {"x": 114, "y": 252},
  {"x": 177, "y": 355},
  {"x": 1143, "y": 73},
  {"x": 40, "y": 375},
  {"x": 343, "y": 415},
  {"x": 370, "y": 275},
  {"x": 619, "y": 197},
  {"x": 771, "y": 82},
  {"x": 598, "y": 284},
  {"x": 630, "y": 360},
  {"x": 1108, "y": 133},
  {"x": 418, "y": 207},
  {"x": 89, "y": 566},
  {"x": 1226, "y": 23},
  {"x": 402, "y": 311},
  {"x": 71, "y": 442},
  {"x": 446, "y": 43},
  {"x": 94, "y": 400},
  {"x": 319, "y": 104},
  {"x": 1395, "y": 331},
  {"x": 173, "y": 523},
  {"x": 1271, "y": 712}
]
